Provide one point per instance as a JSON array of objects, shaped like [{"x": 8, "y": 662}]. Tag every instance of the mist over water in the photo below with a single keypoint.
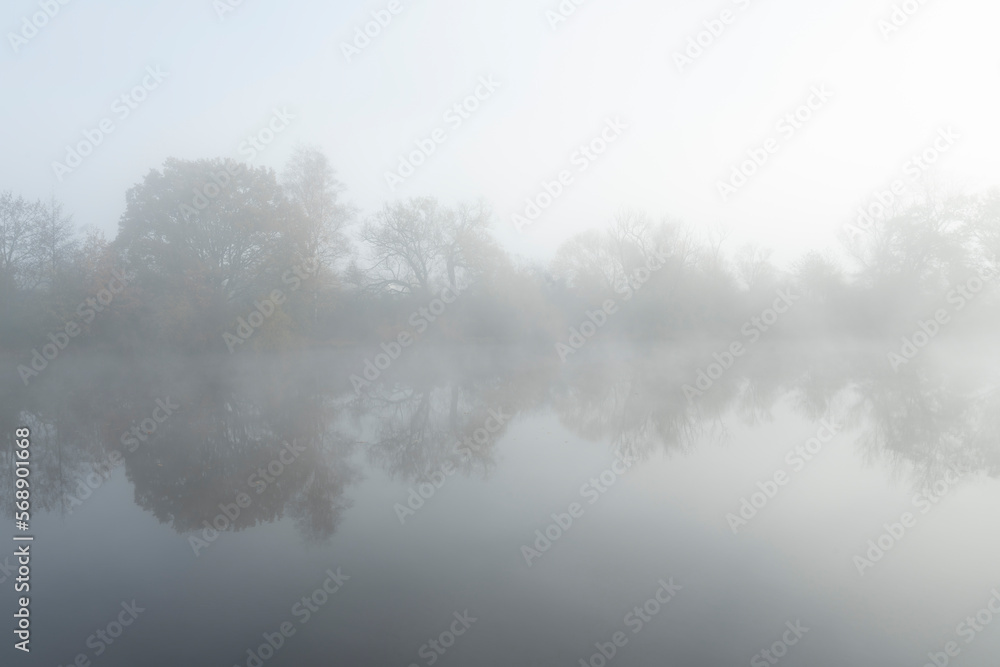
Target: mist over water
[
  {"x": 430, "y": 513},
  {"x": 580, "y": 334}
]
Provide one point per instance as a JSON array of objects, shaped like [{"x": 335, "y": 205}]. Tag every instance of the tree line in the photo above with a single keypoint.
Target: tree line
[{"x": 208, "y": 241}]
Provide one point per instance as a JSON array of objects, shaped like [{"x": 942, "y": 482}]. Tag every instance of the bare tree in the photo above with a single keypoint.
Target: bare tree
[
  {"x": 587, "y": 262},
  {"x": 466, "y": 242},
  {"x": 631, "y": 239},
  {"x": 610, "y": 259},
  {"x": 753, "y": 265},
  {"x": 404, "y": 241},
  {"x": 718, "y": 234},
  {"x": 20, "y": 221}
]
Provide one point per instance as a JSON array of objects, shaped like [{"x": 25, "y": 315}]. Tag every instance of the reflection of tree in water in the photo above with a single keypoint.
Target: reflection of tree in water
[
  {"x": 442, "y": 417},
  {"x": 916, "y": 420},
  {"x": 275, "y": 442},
  {"x": 60, "y": 457},
  {"x": 679, "y": 300},
  {"x": 218, "y": 444},
  {"x": 919, "y": 423},
  {"x": 71, "y": 424},
  {"x": 636, "y": 406},
  {"x": 235, "y": 420},
  {"x": 410, "y": 431}
]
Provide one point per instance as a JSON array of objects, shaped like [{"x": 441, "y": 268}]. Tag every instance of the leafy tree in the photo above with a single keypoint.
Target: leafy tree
[
  {"x": 319, "y": 235},
  {"x": 311, "y": 185},
  {"x": 466, "y": 243},
  {"x": 20, "y": 220},
  {"x": 927, "y": 245},
  {"x": 207, "y": 238}
]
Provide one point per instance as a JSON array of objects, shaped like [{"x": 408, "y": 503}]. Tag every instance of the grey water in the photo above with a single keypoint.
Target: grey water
[{"x": 487, "y": 505}]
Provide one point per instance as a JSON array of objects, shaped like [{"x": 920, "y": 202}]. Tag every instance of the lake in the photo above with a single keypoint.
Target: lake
[{"x": 491, "y": 506}]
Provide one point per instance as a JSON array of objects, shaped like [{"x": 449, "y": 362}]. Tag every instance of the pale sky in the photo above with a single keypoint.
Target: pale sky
[{"x": 685, "y": 132}]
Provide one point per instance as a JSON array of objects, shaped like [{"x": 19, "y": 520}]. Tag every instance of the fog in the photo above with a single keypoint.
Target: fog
[{"x": 548, "y": 334}]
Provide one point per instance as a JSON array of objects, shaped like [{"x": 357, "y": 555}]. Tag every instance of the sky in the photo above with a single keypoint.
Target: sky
[{"x": 678, "y": 128}]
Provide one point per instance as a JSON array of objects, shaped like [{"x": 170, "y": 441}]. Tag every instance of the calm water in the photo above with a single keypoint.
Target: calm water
[{"x": 422, "y": 495}]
